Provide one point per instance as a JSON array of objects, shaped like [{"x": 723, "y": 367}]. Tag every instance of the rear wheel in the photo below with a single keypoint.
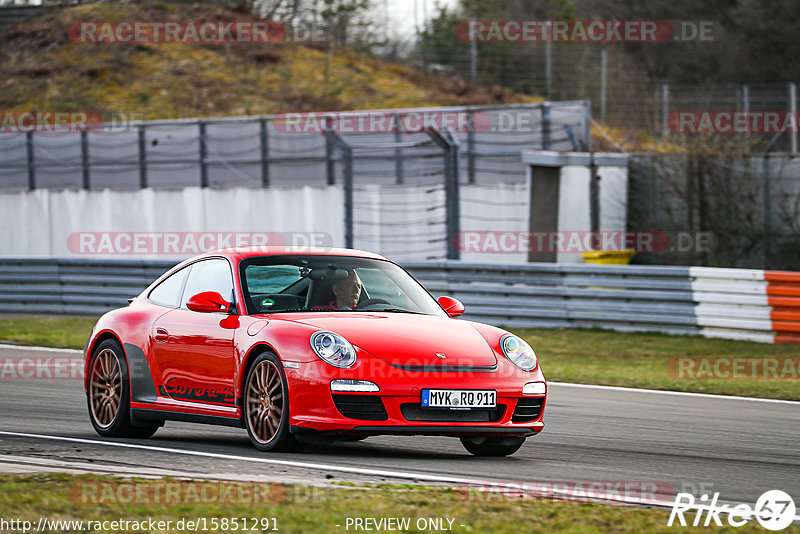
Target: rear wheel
[
  {"x": 266, "y": 405},
  {"x": 492, "y": 445},
  {"x": 108, "y": 397}
]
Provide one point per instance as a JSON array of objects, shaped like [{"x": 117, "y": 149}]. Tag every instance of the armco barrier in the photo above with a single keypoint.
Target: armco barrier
[
  {"x": 67, "y": 286},
  {"x": 625, "y": 298},
  {"x": 746, "y": 304},
  {"x": 783, "y": 297},
  {"x": 732, "y": 303}
]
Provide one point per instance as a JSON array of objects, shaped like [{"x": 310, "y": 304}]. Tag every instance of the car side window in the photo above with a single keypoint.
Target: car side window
[
  {"x": 209, "y": 275},
  {"x": 168, "y": 292}
]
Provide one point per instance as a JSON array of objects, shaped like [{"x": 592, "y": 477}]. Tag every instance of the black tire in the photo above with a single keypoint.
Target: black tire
[
  {"x": 266, "y": 431},
  {"x": 143, "y": 431},
  {"x": 108, "y": 397},
  {"x": 492, "y": 445}
]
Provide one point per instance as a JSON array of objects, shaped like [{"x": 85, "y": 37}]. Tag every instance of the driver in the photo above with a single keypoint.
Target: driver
[{"x": 347, "y": 292}]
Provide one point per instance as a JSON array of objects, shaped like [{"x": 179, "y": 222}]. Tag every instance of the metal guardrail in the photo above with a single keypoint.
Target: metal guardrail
[
  {"x": 728, "y": 303},
  {"x": 67, "y": 286},
  {"x": 624, "y": 298},
  {"x": 539, "y": 295}
]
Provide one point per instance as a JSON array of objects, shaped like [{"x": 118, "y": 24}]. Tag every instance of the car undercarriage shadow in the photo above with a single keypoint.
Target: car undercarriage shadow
[{"x": 236, "y": 442}]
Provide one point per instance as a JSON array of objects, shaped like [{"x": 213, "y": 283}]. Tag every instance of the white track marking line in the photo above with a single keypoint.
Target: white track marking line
[
  {"x": 667, "y": 392},
  {"x": 343, "y": 469}
]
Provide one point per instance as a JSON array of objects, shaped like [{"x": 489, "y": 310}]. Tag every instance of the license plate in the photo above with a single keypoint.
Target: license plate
[{"x": 459, "y": 398}]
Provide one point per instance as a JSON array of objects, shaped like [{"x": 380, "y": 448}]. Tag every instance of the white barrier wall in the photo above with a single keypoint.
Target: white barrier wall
[
  {"x": 613, "y": 197},
  {"x": 402, "y": 222},
  {"x": 46, "y": 223},
  {"x": 573, "y": 205}
]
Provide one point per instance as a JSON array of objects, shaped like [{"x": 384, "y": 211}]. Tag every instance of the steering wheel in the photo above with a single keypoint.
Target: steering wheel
[{"x": 371, "y": 302}]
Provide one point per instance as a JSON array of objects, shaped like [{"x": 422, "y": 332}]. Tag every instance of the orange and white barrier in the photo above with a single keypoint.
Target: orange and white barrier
[{"x": 750, "y": 304}]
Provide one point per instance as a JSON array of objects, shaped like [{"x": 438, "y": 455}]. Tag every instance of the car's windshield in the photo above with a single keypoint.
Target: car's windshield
[{"x": 284, "y": 284}]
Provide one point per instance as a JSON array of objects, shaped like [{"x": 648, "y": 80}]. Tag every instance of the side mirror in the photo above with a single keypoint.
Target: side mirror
[
  {"x": 208, "y": 302},
  {"x": 453, "y": 307}
]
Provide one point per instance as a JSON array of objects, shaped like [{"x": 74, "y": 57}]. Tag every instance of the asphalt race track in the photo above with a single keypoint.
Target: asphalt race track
[{"x": 739, "y": 448}]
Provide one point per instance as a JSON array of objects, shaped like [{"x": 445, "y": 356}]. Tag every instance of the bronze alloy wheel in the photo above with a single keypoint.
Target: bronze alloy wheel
[
  {"x": 105, "y": 388},
  {"x": 265, "y": 401}
]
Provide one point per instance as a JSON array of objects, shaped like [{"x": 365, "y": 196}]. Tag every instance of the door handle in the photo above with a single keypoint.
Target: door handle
[{"x": 161, "y": 335}]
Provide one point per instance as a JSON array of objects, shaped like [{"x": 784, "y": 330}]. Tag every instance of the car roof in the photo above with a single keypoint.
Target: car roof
[{"x": 238, "y": 254}]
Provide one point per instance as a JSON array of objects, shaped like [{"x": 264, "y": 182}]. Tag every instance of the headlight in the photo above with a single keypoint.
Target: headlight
[
  {"x": 354, "y": 385},
  {"x": 519, "y": 352},
  {"x": 534, "y": 388},
  {"x": 333, "y": 349}
]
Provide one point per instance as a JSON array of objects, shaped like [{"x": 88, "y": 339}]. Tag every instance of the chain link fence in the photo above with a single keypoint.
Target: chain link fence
[
  {"x": 621, "y": 95},
  {"x": 748, "y": 206},
  {"x": 260, "y": 152}
]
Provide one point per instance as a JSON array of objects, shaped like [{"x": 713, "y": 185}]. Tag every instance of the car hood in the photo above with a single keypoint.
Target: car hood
[{"x": 406, "y": 339}]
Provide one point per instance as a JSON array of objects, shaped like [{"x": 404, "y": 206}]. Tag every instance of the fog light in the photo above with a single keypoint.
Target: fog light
[
  {"x": 534, "y": 388},
  {"x": 354, "y": 385}
]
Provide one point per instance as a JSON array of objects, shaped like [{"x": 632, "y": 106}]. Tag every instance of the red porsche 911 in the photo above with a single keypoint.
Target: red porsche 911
[{"x": 299, "y": 346}]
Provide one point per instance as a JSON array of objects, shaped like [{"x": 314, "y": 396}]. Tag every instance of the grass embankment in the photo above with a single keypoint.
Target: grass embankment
[
  {"x": 54, "y": 331},
  {"x": 640, "y": 360},
  {"x": 583, "y": 356},
  {"x": 43, "y": 69},
  {"x": 310, "y": 510}
]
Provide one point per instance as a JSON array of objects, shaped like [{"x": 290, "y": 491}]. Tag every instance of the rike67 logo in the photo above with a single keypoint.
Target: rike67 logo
[{"x": 774, "y": 510}]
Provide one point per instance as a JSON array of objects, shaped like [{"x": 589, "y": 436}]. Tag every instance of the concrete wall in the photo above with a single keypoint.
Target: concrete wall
[
  {"x": 573, "y": 205},
  {"x": 403, "y": 222},
  {"x": 406, "y": 222},
  {"x": 46, "y": 223}
]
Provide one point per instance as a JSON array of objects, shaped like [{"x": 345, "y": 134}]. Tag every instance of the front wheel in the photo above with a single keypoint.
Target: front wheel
[
  {"x": 109, "y": 394},
  {"x": 266, "y": 405},
  {"x": 492, "y": 445}
]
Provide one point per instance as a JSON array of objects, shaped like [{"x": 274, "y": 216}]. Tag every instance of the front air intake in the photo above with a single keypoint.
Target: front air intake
[
  {"x": 366, "y": 407},
  {"x": 527, "y": 410}
]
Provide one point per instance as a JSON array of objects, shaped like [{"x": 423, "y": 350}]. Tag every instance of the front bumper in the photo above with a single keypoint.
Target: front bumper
[{"x": 314, "y": 410}]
